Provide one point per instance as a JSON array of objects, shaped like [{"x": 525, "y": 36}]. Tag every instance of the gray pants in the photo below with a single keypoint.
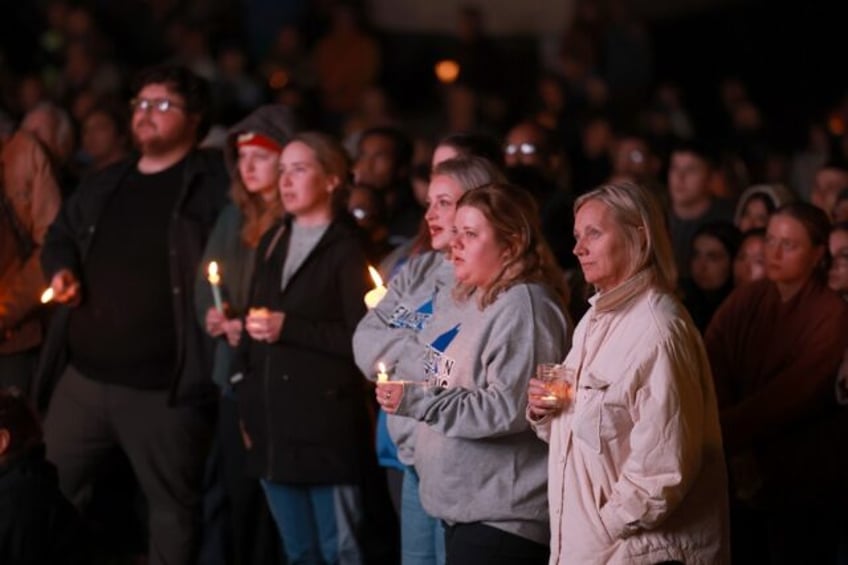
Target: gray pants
[{"x": 166, "y": 446}]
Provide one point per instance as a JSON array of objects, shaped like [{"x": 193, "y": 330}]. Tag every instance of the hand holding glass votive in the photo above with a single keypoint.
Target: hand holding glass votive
[{"x": 558, "y": 381}]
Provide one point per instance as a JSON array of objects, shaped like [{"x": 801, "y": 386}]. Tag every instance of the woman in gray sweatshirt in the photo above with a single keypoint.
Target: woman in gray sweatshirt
[
  {"x": 388, "y": 334},
  {"x": 482, "y": 470}
]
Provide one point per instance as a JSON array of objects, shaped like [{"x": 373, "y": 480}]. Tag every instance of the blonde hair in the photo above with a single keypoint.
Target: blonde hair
[
  {"x": 514, "y": 217},
  {"x": 469, "y": 172},
  {"x": 642, "y": 223}
]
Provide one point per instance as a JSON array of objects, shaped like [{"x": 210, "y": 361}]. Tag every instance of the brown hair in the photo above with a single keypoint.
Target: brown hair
[
  {"x": 258, "y": 214},
  {"x": 514, "y": 217},
  {"x": 817, "y": 225},
  {"x": 334, "y": 161}
]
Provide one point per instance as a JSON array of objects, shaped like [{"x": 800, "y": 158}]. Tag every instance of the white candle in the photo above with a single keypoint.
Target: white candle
[
  {"x": 215, "y": 282},
  {"x": 382, "y": 375},
  {"x": 376, "y": 294}
]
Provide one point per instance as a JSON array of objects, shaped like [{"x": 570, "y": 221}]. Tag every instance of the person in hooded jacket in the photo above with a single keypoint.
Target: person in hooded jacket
[{"x": 252, "y": 153}]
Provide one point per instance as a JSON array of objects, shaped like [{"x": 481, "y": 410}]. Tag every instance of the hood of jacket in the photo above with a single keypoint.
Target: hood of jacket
[{"x": 271, "y": 120}]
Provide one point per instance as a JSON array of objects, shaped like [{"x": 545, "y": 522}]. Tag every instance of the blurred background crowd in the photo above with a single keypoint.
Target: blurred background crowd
[{"x": 725, "y": 111}]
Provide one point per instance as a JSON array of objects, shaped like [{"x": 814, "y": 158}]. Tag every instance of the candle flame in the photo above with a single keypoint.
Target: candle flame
[
  {"x": 47, "y": 296},
  {"x": 213, "y": 277},
  {"x": 375, "y": 276},
  {"x": 382, "y": 375}
]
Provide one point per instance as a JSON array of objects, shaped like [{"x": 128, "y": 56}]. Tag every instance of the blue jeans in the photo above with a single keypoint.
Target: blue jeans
[
  {"x": 318, "y": 524},
  {"x": 422, "y": 536}
]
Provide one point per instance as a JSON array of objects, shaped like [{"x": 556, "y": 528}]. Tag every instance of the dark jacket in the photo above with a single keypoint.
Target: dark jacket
[
  {"x": 37, "y": 525},
  {"x": 302, "y": 399},
  {"x": 202, "y": 196}
]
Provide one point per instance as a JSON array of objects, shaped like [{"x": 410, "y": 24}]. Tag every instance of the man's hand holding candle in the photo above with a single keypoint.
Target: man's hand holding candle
[{"x": 66, "y": 288}]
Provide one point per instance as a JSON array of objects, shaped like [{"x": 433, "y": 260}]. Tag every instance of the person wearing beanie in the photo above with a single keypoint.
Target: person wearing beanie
[{"x": 252, "y": 154}]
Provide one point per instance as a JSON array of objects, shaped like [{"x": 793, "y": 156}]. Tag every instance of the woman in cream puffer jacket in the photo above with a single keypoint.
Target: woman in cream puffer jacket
[{"x": 636, "y": 473}]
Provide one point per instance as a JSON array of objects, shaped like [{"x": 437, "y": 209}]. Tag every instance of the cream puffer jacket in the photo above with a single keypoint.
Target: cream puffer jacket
[{"x": 636, "y": 472}]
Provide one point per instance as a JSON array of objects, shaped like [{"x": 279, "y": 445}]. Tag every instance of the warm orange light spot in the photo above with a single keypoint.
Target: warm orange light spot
[{"x": 447, "y": 71}]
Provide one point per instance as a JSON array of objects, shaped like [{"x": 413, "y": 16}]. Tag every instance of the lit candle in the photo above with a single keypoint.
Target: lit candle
[
  {"x": 376, "y": 294},
  {"x": 382, "y": 375},
  {"x": 47, "y": 296},
  {"x": 215, "y": 282}
]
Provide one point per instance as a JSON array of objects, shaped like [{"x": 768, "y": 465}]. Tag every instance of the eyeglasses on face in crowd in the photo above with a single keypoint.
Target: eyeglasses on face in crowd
[
  {"x": 523, "y": 148},
  {"x": 359, "y": 213},
  {"x": 161, "y": 105}
]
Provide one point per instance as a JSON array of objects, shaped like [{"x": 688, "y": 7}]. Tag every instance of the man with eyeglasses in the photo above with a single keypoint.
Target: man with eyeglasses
[
  {"x": 133, "y": 363},
  {"x": 533, "y": 161}
]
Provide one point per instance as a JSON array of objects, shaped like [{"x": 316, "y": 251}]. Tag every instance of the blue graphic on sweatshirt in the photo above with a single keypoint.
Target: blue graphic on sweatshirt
[
  {"x": 437, "y": 365},
  {"x": 403, "y": 317}
]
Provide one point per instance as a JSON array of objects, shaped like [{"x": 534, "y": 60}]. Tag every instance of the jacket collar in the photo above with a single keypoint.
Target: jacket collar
[
  {"x": 339, "y": 228},
  {"x": 623, "y": 293}
]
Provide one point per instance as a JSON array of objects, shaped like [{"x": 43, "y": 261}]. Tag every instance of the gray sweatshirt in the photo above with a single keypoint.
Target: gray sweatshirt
[
  {"x": 477, "y": 457},
  {"x": 389, "y": 332}
]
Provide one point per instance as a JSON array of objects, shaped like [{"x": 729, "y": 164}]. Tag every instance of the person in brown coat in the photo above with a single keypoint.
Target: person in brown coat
[
  {"x": 29, "y": 200},
  {"x": 775, "y": 346}
]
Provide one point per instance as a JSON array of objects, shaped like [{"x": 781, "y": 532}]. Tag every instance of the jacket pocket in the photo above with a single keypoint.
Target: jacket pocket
[{"x": 588, "y": 410}]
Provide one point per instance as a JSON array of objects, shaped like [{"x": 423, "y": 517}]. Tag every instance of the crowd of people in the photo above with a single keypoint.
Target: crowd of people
[{"x": 196, "y": 366}]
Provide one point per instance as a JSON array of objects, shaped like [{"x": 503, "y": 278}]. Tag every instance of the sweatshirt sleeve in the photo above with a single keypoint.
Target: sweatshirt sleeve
[
  {"x": 375, "y": 340},
  {"x": 524, "y": 333},
  {"x": 665, "y": 441}
]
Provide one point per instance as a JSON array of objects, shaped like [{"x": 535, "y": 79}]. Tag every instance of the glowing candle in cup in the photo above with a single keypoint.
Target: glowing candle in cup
[
  {"x": 47, "y": 296},
  {"x": 382, "y": 375},
  {"x": 559, "y": 383},
  {"x": 376, "y": 294},
  {"x": 215, "y": 282}
]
